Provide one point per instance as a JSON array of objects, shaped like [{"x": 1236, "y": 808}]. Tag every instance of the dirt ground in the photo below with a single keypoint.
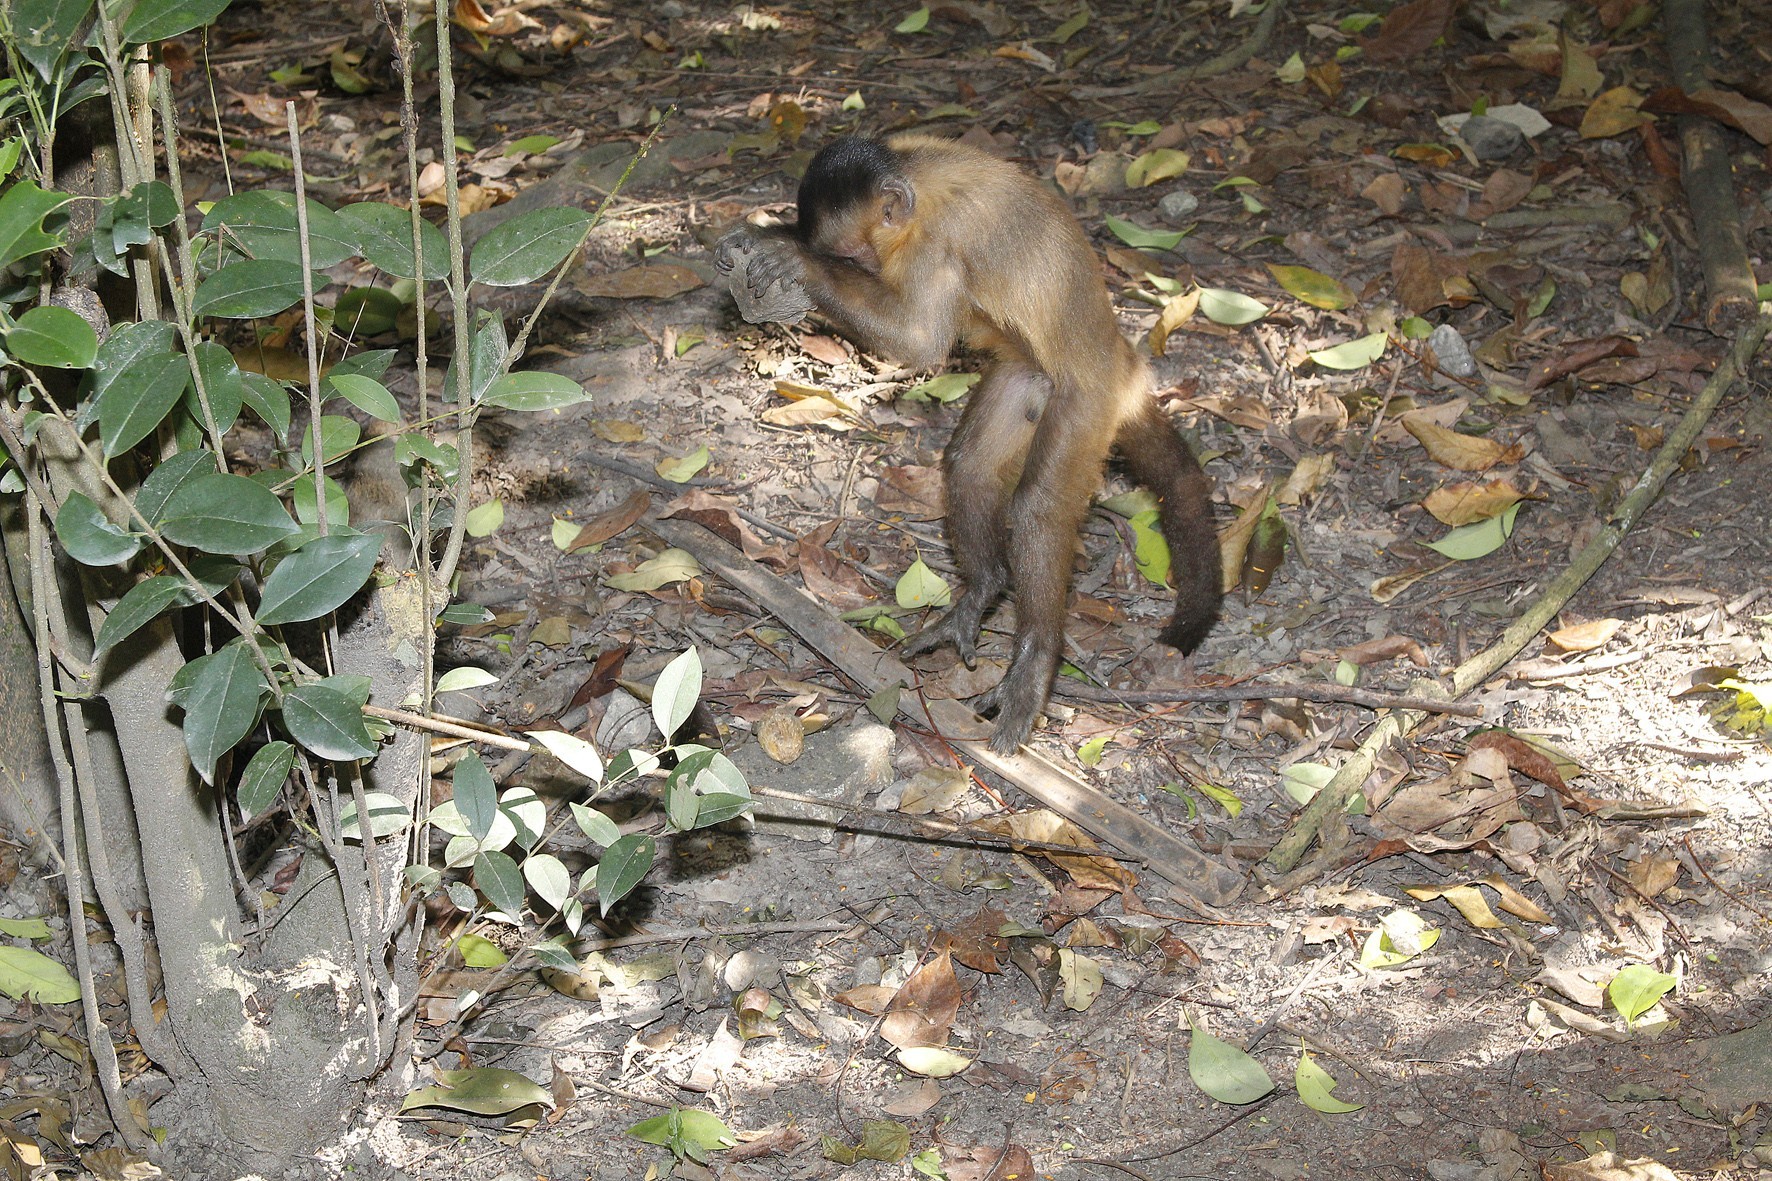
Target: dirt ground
[{"x": 1492, "y": 1053}]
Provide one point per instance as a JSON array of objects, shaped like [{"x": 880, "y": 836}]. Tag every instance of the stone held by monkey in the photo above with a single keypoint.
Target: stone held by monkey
[{"x": 914, "y": 242}]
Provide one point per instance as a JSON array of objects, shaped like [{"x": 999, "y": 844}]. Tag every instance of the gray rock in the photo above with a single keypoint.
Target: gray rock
[
  {"x": 1492, "y": 139},
  {"x": 1452, "y": 356},
  {"x": 1177, "y": 207}
]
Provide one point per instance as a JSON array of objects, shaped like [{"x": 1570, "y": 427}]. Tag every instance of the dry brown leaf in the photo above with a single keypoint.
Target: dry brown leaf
[
  {"x": 1585, "y": 637},
  {"x": 1386, "y": 589},
  {"x": 1385, "y": 648},
  {"x": 651, "y": 281},
  {"x": 1465, "y": 502},
  {"x": 1609, "y": 1166},
  {"x": 616, "y": 430},
  {"x": 1468, "y": 899},
  {"x": 922, "y": 1012},
  {"x": 1514, "y": 902},
  {"x": 1465, "y": 453},
  {"x": 871, "y": 999},
  {"x": 1101, "y": 873},
  {"x": 1504, "y": 189},
  {"x": 1410, "y": 30},
  {"x": 614, "y": 522},
  {"x": 1310, "y": 474},
  {"x": 934, "y": 789},
  {"x": 1177, "y": 310},
  {"x": 1387, "y": 191},
  {"x": 1614, "y": 113},
  {"x": 1654, "y": 875}
]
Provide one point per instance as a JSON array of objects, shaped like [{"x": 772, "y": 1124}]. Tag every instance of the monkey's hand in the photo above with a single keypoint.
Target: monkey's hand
[{"x": 764, "y": 274}]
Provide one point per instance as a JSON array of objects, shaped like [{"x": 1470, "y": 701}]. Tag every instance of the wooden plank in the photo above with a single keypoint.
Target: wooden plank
[{"x": 1178, "y": 861}]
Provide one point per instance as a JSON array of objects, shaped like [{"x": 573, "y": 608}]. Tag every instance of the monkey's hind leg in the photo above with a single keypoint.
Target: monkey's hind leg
[
  {"x": 1062, "y": 472},
  {"x": 1157, "y": 457},
  {"x": 980, "y": 469}
]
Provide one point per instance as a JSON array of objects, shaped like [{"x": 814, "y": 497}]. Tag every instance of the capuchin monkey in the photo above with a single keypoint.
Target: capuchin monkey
[{"x": 912, "y": 243}]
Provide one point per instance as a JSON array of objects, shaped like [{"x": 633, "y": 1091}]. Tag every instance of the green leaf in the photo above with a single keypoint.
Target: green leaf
[
  {"x": 1352, "y": 354},
  {"x": 475, "y": 796},
  {"x": 158, "y": 20},
  {"x": 1224, "y": 1072},
  {"x": 384, "y": 233},
  {"x": 54, "y": 338},
  {"x": 1230, "y": 307},
  {"x": 1313, "y": 287},
  {"x": 527, "y": 246},
  {"x": 225, "y": 514},
  {"x": 533, "y": 390},
  {"x": 140, "y": 605},
  {"x": 1155, "y": 165},
  {"x": 220, "y": 705},
  {"x": 531, "y": 145},
  {"x": 675, "y": 692},
  {"x": 464, "y": 677},
  {"x": 1479, "y": 538},
  {"x": 326, "y": 722},
  {"x": 29, "y": 974},
  {"x": 602, "y": 830},
  {"x": 262, "y": 222},
  {"x": 88, "y": 535},
  {"x": 498, "y": 878},
  {"x": 1143, "y": 239},
  {"x": 623, "y": 865},
  {"x": 127, "y": 343},
  {"x": 919, "y": 586},
  {"x": 264, "y": 777},
  {"x": 30, "y": 928},
  {"x": 1314, "y": 1085},
  {"x": 23, "y": 206},
  {"x": 318, "y": 577},
  {"x": 338, "y": 436},
  {"x": 572, "y": 750},
  {"x": 44, "y": 30},
  {"x": 673, "y": 565},
  {"x": 368, "y": 395},
  {"x": 548, "y": 878},
  {"x": 681, "y": 471},
  {"x": 268, "y": 399},
  {"x": 366, "y": 311},
  {"x": 916, "y": 22},
  {"x": 944, "y": 388},
  {"x": 1150, "y": 548},
  {"x": 1089, "y": 754},
  {"x": 131, "y": 407},
  {"x": 484, "y": 519},
  {"x": 482, "y": 1090},
  {"x": 223, "y": 383},
  {"x": 301, "y": 495},
  {"x": 1635, "y": 990},
  {"x": 251, "y": 289},
  {"x": 477, "y": 952}
]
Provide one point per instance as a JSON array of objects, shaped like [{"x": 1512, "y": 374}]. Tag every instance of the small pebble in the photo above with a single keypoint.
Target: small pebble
[{"x": 1177, "y": 207}]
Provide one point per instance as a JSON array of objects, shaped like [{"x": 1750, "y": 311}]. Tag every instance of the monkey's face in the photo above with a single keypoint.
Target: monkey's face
[{"x": 849, "y": 232}]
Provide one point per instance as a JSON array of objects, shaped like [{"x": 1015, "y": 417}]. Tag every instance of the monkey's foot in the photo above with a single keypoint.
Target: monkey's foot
[
  {"x": 1016, "y": 714},
  {"x": 958, "y": 627}
]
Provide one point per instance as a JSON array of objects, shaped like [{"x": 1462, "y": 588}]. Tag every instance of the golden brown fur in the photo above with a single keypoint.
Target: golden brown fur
[{"x": 914, "y": 243}]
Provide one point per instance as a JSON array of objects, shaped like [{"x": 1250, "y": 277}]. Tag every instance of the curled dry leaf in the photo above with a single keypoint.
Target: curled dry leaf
[
  {"x": 1467, "y": 453},
  {"x": 1466, "y": 502},
  {"x": 781, "y": 735},
  {"x": 1385, "y": 648},
  {"x": 1585, "y": 637}
]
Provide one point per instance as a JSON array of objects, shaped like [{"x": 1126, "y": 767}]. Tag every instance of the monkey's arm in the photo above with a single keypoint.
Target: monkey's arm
[{"x": 913, "y": 319}]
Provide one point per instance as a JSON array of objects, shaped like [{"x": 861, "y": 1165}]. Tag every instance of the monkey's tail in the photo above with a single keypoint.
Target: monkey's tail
[{"x": 1158, "y": 458}]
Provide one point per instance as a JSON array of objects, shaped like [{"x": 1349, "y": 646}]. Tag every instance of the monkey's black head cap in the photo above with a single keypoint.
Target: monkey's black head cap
[{"x": 845, "y": 173}]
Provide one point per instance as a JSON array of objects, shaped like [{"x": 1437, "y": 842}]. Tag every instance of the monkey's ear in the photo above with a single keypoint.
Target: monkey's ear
[{"x": 897, "y": 200}]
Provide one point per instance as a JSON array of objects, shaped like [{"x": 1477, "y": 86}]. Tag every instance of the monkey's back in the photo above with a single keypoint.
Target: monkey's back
[{"x": 1032, "y": 272}]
